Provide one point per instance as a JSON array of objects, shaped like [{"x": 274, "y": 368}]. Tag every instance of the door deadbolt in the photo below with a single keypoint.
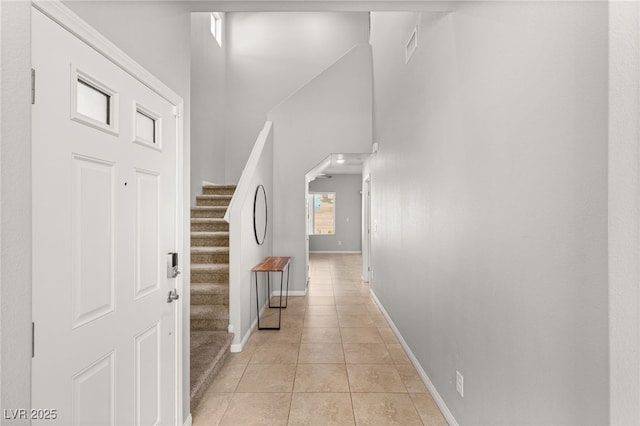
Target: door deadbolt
[
  {"x": 173, "y": 295},
  {"x": 172, "y": 265}
]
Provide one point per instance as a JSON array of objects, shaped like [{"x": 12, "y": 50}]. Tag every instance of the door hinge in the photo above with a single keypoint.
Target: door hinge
[
  {"x": 33, "y": 340},
  {"x": 177, "y": 111},
  {"x": 33, "y": 86}
]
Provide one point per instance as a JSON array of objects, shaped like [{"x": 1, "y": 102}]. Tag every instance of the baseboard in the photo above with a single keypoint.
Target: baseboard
[
  {"x": 188, "y": 422},
  {"x": 237, "y": 347},
  {"x": 423, "y": 375},
  {"x": 335, "y": 251},
  {"x": 289, "y": 293}
]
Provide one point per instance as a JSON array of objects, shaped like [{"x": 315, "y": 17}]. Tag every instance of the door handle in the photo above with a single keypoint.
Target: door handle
[{"x": 173, "y": 295}]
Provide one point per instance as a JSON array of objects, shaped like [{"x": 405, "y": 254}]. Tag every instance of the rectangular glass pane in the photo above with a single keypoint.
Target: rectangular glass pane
[
  {"x": 145, "y": 127},
  {"x": 93, "y": 103},
  {"x": 324, "y": 214}
]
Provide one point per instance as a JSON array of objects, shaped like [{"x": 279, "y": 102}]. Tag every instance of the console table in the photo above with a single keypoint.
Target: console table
[{"x": 273, "y": 264}]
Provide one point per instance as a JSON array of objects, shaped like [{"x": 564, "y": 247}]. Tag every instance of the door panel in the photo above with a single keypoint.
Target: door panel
[{"x": 104, "y": 218}]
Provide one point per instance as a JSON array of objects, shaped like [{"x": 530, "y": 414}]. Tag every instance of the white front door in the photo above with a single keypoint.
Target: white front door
[{"x": 104, "y": 219}]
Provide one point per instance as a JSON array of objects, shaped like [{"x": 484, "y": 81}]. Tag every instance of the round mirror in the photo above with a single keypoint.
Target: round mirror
[{"x": 260, "y": 214}]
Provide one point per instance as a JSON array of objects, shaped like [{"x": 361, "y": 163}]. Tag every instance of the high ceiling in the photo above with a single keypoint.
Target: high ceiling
[{"x": 315, "y": 5}]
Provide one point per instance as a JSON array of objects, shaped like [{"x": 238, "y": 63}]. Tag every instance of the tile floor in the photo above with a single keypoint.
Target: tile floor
[{"x": 334, "y": 362}]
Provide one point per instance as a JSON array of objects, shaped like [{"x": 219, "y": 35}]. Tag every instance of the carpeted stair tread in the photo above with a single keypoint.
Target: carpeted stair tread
[
  {"x": 218, "y": 189},
  {"x": 208, "y": 211},
  {"x": 209, "y": 350},
  {"x": 210, "y": 239},
  {"x": 209, "y": 288},
  {"x": 199, "y": 250},
  {"x": 222, "y": 197},
  {"x": 206, "y": 312},
  {"x": 206, "y": 267},
  {"x": 204, "y": 234}
]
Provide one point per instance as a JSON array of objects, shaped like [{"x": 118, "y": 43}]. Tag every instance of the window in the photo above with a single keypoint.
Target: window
[
  {"x": 323, "y": 215},
  {"x": 216, "y": 27},
  {"x": 93, "y": 103}
]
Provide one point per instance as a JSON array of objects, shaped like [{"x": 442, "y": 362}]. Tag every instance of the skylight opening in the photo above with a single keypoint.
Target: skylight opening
[{"x": 216, "y": 27}]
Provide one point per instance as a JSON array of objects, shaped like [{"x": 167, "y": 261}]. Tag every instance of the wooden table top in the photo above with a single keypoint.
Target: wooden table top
[{"x": 272, "y": 264}]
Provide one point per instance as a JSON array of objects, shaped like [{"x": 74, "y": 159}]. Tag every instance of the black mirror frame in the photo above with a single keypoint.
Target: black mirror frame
[{"x": 266, "y": 215}]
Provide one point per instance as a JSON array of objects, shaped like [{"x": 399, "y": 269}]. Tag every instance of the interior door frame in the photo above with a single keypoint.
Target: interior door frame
[{"x": 64, "y": 17}]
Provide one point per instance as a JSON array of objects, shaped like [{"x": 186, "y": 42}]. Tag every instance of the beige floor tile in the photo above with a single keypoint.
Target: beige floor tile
[
  {"x": 321, "y": 310},
  {"x": 350, "y": 292},
  {"x": 411, "y": 379},
  {"x": 360, "y": 335},
  {"x": 267, "y": 378},
  {"x": 297, "y": 301},
  {"x": 258, "y": 337},
  {"x": 270, "y": 319},
  {"x": 321, "y": 293},
  {"x": 374, "y": 378},
  {"x": 227, "y": 379},
  {"x": 321, "y": 335},
  {"x": 367, "y": 353},
  {"x": 321, "y": 353},
  {"x": 358, "y": 300},
  {"x": 398, "y": 354},
  {"x": 384, "y": 409},
  {"x": 352, "y": 309},
  {"x": 373, "y": 309},
  {"x": 242, "y": 358},
  {"x": 355, "y": 320},
  {"x": 387, "y": 335},
  {"x": 324, "y": 321},
  {"x": 428, "y": 410},
  {"x": 210, "y": 411},
  {"x": 321, "y": 378},
  {"x": 379, "y": 320},
  {"x": 295, "y": 310},
  {"x": 277, "y": 353},
  {"x": 321, "y": 409},
  {"x": 326, "y": 285},
  {"x": 284, "y": 335},
  {"x": 321, "y": 300},
  {"x": 258, "y": 409}
]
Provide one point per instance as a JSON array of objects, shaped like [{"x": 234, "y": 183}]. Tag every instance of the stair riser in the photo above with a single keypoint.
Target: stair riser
[
  {"x": 210, "y": 277},
  {"x": 210, "y": 325},
  {"x": 210, "y": 299},
  {"x": 218, "y": 191},
  {"x": 214, "y": 241},
  {"x": 210, "y": 227},
  {"x": 210, "y": 214},
  {"x": 210, "y": 258},
  {"x": 212, "y": 202}
]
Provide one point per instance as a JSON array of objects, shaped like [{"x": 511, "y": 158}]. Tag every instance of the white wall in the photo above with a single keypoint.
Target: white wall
[
  {"x": 15, "y": 208},
  {"x": 624, "y": 204},
  {"x": 157, "y": 35},
  {"x": 490, "y": 198},
  {"x": 245, "y": 252},
  {"x": 331, "y": 114},
  {"x": 347, "y": 234},
  {"x": 208, "y": 104},
  {"x": 270, "y": 56}
]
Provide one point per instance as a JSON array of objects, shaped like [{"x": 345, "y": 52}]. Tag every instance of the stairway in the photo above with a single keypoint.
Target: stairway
[{"x": 210, "y": 339}]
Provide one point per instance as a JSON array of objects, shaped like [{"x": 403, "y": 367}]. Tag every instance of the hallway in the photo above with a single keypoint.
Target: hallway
[{"x": 335, "y": 361}]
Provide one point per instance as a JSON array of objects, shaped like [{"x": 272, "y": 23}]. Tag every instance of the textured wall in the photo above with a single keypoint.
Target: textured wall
[{"x": 490, "y": 199}]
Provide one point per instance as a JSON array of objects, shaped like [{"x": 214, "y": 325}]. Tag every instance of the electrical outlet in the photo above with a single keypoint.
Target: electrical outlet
[
  {"x": 339, "y": 243},
  {"x": 460, "y": 383}
]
